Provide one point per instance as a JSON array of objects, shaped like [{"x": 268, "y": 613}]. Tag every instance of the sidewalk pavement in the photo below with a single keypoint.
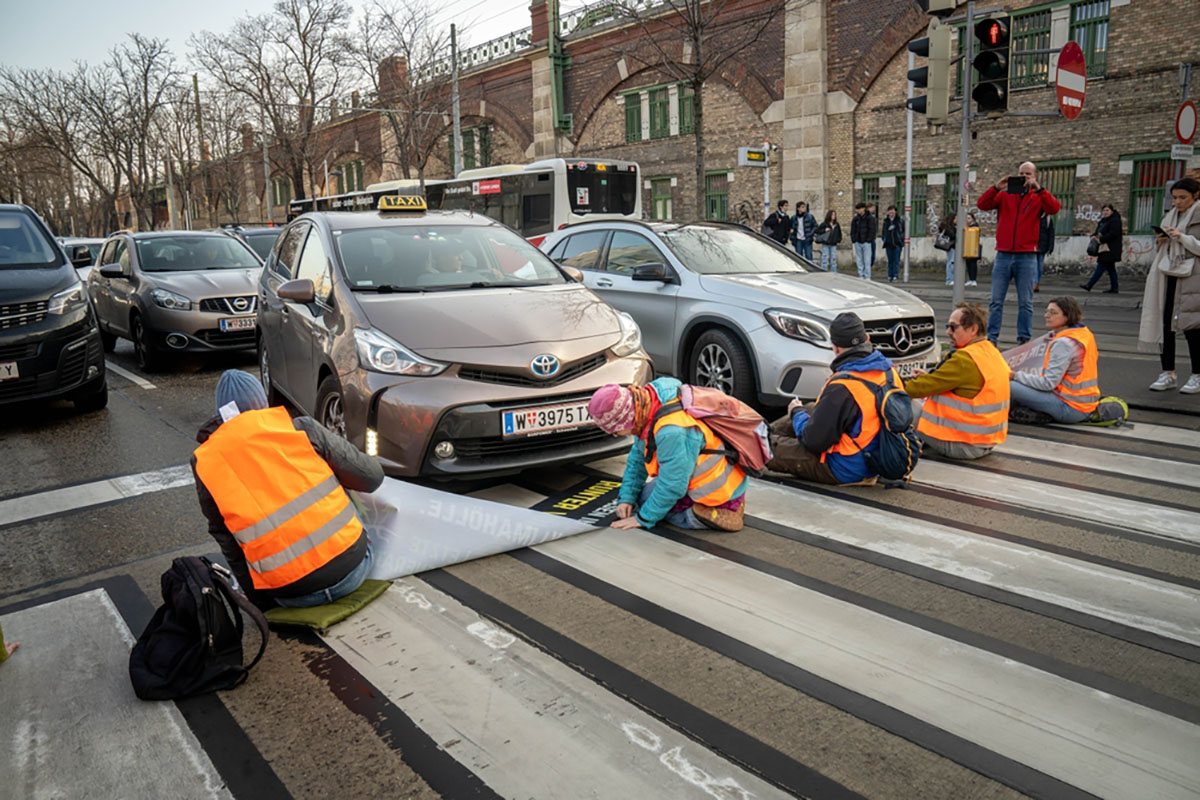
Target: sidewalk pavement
[{"x": 931, "y": 285}]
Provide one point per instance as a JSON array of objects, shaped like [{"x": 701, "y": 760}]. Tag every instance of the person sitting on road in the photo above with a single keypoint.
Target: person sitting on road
[
  {"x": 1067, "y": 387},
  {"x": 966, "y": 413},
  {"x": 669, "y": 451},
  {"x": 825, "y": 440},
  {"x": 272, "y": 490}
]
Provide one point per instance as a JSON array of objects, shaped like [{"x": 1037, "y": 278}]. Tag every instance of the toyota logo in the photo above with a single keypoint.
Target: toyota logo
[
  {"x": 902, "y": 338},
  {"x": 241, "y": 304},
  {"x": 544, "y": 366}
]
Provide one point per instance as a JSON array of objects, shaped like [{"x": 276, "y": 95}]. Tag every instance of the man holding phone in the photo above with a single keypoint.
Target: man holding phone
[{"x": 1022, "y": 203}]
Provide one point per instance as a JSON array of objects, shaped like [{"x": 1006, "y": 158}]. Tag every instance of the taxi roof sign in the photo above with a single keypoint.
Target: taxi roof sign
[{"x": 402, "y": 202}]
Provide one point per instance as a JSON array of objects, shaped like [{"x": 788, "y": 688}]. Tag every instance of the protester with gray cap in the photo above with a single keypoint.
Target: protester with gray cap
[
  {"x": 825, "y": 440},
  {"x": 273, "y": 491}
]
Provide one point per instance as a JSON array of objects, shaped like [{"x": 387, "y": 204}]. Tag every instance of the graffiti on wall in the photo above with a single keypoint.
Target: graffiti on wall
[{"x": 1087, "y": 212}]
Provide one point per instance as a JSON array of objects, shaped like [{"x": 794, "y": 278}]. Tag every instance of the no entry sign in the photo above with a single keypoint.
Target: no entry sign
[
  {"x": 1185, "y": 122},
  {"x": 1071, "y": 80}
]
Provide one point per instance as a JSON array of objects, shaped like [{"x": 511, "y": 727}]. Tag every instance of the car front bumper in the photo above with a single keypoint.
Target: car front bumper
[{"x": 196, "y": 331}]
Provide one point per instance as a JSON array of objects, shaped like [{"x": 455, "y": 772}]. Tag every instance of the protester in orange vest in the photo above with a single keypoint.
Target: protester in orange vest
[
  {"x": 686, "y": 483},
  {"x": 966, "y": 413},
  {"x": 826, "y": 440},
  {"x": 1067, "y": 387},
  {"x": 272, "y": 490}
]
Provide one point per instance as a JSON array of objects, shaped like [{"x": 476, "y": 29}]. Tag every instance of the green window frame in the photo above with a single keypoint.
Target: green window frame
[
  {"x": 281, "y": 191},
  {"x": 351, "y": 177},
  {"x": 633, "y": 117},
  {"x": 716, "y": 196},
  {"x": 662, "y": 199},
  {"x": 1147, "y": 189},
  {"x": 920, "y": 206},
  {"x": 1089, "y": 27},
  {"x": 660, "y": 113},
  {"x": 468, "y": 146},
  {"x": 870, "y": 191},
  {"x": 687, "y": 109},
  {"x": 1030, "y": 31},
  {"x": 483, "y": 135},
  {"x": 950, "y": 195},
  {"x": 1059, "y": 180}
]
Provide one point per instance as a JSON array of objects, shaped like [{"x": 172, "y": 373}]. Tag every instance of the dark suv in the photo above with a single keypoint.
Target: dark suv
[{"x": 49, "y": 340}]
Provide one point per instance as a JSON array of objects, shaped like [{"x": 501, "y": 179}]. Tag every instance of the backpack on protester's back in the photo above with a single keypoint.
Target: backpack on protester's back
[
  {"x": 740, "y": 427},
  {"x": 193, "y": 643},
  {"x": 898, "y": 448}
]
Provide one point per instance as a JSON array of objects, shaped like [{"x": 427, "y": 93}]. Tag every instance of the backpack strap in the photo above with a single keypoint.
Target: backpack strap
[
  {"x": 238, "y": 600},
  {"x": 671, "y": 408}
]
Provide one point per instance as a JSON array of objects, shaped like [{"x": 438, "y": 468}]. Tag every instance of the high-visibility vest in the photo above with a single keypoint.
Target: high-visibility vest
[
  {"x": 278, "y": 498},
  {"x": 982, "y": 419},
  {"x": 714, "y": 478},
  {"x": 848, "y": 445},
  {"x": 1081, "y": 392}
]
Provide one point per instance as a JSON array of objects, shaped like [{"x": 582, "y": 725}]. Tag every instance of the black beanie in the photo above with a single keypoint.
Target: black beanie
[{"x": 847, "y": 330}]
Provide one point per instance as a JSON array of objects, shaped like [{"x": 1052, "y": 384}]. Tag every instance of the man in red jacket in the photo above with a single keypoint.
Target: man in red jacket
[{"x": 1017, "y": 232}]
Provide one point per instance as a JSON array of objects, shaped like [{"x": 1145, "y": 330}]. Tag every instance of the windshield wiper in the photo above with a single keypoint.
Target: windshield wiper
[
  {"x": 386, "y": 288},
  {"x": 448, "y": 287}
]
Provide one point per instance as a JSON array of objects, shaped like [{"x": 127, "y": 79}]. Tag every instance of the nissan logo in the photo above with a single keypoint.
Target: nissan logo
[
  {"x": 241, "y": 303},
  {"x": 902, "y": 338},
  {"x": 544, "y": 366}
]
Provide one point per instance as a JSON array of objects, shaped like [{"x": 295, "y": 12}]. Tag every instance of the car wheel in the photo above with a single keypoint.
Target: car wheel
[
  {"x": 107, "y": 340},
  {"x": 93, "y": 401},
  {"x": 264, "y": 371},
  {"x": 331, "y": 410},
  {"x": 719, "y": 360},
  {"x": 148, "y": 357}
]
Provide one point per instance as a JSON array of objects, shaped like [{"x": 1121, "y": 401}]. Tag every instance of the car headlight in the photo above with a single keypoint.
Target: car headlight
[
  {"x": 171, "y": 300},
  {"x": 631, "y": 336},
  {"x": 795, "y": 325},
  {"x": 383, "y": 354},
  {"x": 67, "y": 300}
]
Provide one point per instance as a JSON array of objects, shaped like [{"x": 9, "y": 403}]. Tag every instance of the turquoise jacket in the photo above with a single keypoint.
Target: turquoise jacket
[{"x": 678, "y": 451}]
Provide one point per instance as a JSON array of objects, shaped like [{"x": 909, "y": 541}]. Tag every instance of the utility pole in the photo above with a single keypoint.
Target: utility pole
[
  {"x": 458, "y": 154},
  {"x": 908, "y": 176},
  {"x": 268, "y": 214},
  {"x": 172, "y": 211},
  {"x": 960, "y": 264},
  {"x": 1185, "y": 80}
]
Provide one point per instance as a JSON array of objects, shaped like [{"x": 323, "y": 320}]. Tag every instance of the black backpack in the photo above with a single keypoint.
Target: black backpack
[
  {"x": 898, "y": 447},
  {"x": 193, "y": 643}
]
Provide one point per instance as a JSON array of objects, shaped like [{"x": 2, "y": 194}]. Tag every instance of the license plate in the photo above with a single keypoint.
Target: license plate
[
  {"x": 908, "y": 369},
  {"x": 526, "y": 421},
  {"x": 8, "y": 370},
  {"x": 239, "y": 324}
]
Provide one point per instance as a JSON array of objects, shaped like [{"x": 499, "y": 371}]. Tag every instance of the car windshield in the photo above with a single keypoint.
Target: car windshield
[
  {"x": 23, "y": 244},
  {"x": 184, "y": 253},
  {"x": 261, "y": 242},
  {"x": 710, "y": 250},
  {"x": 441, "y": 257}
]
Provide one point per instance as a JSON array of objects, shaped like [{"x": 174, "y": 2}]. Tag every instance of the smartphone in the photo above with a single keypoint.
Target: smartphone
[
  {"x": 1016, "y": 185},
  {"x": 1158, "y": 230}
]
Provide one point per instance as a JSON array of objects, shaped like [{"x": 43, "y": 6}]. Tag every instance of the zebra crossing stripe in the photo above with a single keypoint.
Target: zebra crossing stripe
[
  {"x": 1148, "y": 468},
  {"x": 1143, "y": 431}
]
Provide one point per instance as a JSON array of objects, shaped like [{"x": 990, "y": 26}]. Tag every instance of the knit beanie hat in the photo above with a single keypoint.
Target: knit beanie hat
[
  {"x": 847, "y": 330},
  {"x": 612, "y": 408},
  {"x": 242, "y": 389}
]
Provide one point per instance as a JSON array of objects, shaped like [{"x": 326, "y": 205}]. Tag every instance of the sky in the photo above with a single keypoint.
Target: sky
[{"x": 53, "y": 34}]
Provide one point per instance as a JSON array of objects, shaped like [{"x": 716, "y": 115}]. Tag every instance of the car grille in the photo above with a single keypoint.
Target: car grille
[
  {"x": 224, "y": 305},
  {"x": 227, "y": 338},
  {"x": 14, "y": 352},
  {"x": 73, "y": 362},
  {"x": 894, "y": 342},
  {"x": 493, "y": 446},
  {"x": 71, "y": 367},
  {"x": 518, "y": 379},
  {"x": 17, "y": 315}
]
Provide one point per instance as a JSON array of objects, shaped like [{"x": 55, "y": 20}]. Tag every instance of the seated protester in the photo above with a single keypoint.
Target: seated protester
[
  {"x": 668, "y": 451},
  {"x": 966, "y": 413},
  {"x": 1067, "y": 387},
  {"x": 825, "y": 441},
  {"x": 272, "y": 490}
]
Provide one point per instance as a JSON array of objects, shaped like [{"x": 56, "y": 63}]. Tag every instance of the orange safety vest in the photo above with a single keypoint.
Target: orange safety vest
[
  {"x": 279, "y": 499},
  {"x": 982, "y": 419},
  {"x": 869, "y": 428},
  {"x": 715, "y": 478},
  {"x": 1081, "y": 392}
]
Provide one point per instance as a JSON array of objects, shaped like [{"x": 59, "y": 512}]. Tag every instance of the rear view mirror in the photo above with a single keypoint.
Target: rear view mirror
[
  {"x": 651, "y": 272},
  {"x": 300, "y": 290},
  {"x": 572, "y": 273},
  {"x": 81, "y": 256},
  {"x": 112, "y": 271}
]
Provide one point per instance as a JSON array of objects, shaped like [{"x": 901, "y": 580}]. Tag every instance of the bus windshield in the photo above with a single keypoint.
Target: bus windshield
[{"x": 594, "y": 191}]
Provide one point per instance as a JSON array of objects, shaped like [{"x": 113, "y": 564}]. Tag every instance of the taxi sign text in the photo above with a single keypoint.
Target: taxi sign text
[{"x": 402, "y": 202}]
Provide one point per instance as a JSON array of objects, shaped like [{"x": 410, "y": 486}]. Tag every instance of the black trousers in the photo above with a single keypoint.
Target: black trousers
[
  {"x": 972, "y": 268},
  {"x": 1101, "y": 268},
  {"x": 1192, "y": 337}
]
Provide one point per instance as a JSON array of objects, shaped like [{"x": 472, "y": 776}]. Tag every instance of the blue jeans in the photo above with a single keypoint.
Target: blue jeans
[
  {"x": 829, "y": 257},
  {"x": 1047, "y": 402},
  {"x": 803, "y": 248},
  {"x": 680, "y": 519},
  {"x": 339, "y": 590},
  {"x": 862, "y": 258},
  {"x": 1041, "y": 261},
  {"x": 1022, "y": 268},
  {"x": 950, "y": 265},
  {"x": 893, "y": 256}
]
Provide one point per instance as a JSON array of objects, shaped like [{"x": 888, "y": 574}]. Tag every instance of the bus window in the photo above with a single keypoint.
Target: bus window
[
  {"x": 537, "y": 204},
  {"x": 593, "y": 191}
]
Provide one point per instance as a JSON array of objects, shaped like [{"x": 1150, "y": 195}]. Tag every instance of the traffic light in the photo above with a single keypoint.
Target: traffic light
[
  {"x": 991, "y": 64},
  {"x": 935, "y": 104}
]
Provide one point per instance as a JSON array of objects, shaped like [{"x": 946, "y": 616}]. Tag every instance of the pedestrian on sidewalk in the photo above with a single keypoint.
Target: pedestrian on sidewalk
[
  {"x": 1108, "y": 239},
  {"x": 1017, "y": 231},
  {"x": 829, "y": 236},
  {"x": 971, "y": 250},
  {"x": 892, "y": 232},
  {"x": 948, "y": 230},
  {"x": 779, "y": 225},
  {"x": 874, "y": 215},
  {"x": 804, "y": 227},
  {"x": 1067, "y": 387},
  {"x": 1171, "y": 302},
  {"x": 1045, "y": 248},
  {"x": 862, "y": 237}
]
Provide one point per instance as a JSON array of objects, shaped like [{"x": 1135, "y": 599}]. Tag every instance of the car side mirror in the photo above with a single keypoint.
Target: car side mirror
[
  {"x": 81, "y": 257},
  {"x": 300, "y": 290},
  {"x": 112, "y": 271},
  {"x": 572, "y": 273},
  {"x": 651, "y": 272}
]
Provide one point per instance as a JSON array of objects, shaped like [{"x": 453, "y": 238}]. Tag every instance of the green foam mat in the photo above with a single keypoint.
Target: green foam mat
[{"x": 322, "y": 617}]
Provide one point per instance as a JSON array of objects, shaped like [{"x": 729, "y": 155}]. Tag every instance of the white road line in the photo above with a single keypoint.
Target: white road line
[
  {"x": 1155, "y": 469},
  {"x": 526, "y": 724},
  {"x": 130, "y": 376},
  {"x": 72, "y": 498},
  {"x": 1102, "y": 744},
  {"x": 1143, "y": 431}
]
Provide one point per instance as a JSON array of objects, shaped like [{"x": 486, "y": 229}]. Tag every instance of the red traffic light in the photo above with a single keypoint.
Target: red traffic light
[{"x": 992, "y": 32}]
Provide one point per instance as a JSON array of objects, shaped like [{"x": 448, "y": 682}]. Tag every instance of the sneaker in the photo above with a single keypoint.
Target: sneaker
[
  {"x": 1193, "y": 384},
  {"x": 972, "y": 283},
  {"x": 949, "y": 283},
  {"x": 1166, "y": 380}
]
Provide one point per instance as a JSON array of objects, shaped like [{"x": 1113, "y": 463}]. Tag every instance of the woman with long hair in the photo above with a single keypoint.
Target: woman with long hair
[
  {"x": 1108, "y": 236},
  {"x": 1171, "y": 302},
  {"x": 1067, "y": 386},
  {"x": 830, "y": 243}
]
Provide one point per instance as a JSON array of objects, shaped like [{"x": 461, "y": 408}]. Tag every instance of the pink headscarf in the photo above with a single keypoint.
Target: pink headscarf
[{"x": 612, "y": 408}]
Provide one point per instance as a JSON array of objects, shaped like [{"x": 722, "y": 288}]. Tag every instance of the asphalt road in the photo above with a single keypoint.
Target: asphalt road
[{"x": 1026, "y": 625}]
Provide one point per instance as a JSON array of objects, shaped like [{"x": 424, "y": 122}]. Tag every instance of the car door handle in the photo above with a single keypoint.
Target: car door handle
[
  {"x": 283, "y": 310},
  {"x": 604, "y": 283}
]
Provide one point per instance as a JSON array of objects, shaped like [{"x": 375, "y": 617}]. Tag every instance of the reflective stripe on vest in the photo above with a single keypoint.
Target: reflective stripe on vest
[
  {"x": 1081, "y": 392},
  {"x": 714, "y": 478},
  {"x": 278, "y": 498},
  {"x": 982, "y": 419},
  {"x": 848, "y": 445}
]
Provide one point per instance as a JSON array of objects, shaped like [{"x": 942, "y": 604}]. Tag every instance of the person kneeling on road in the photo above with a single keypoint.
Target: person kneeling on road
[
  {"x": 272, "y": 490},
  {"x": 825, "y": 441},
  {"x": 681, "y": 455},
  {"x": 1067, "y": 387},
  {"x": 966, "y": 413}
]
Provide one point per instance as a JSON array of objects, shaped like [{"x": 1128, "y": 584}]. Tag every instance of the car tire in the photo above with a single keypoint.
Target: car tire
[
  {"x": 274, "y": 398},
  {"x": 108, "y": 340},
  {"x": 331, "y": 411},
  {"x": 92, "y": 401},
  {"x": 148, "y": 357},
  {"x": 719, "y": 360}
]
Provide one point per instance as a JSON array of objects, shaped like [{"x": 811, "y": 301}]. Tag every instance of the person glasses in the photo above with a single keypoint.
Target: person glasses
[{"x": 952, "y": 326}]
